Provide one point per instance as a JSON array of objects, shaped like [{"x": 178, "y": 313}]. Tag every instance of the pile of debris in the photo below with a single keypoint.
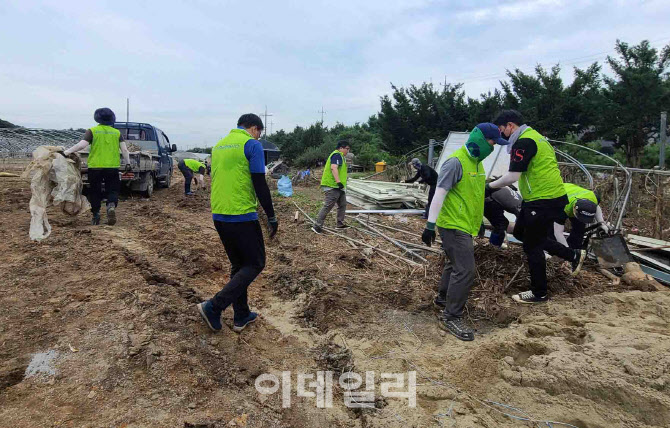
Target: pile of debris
[{"x": 386, "y": 195}]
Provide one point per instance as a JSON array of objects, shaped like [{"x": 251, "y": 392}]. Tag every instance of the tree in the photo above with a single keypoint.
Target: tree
[
  {"x": 5, "y": 124},
  {"x": 635, "y": 95}
]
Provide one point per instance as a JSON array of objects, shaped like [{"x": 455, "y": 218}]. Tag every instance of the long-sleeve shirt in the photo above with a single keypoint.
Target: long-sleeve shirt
[{"x": 427, "y": 175}]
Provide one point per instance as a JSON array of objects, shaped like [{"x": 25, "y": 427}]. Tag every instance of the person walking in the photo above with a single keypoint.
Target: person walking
[
  {"x": 427, "y": 175},
  {"x": 104, "y": 161},
  {"x": 334, "y": 184},
  {"x": 582, "y": 209},
  {"x": 457, "y": 209},
  {"x": 238, "y": 184},
  {"x": 533, "y": 164},
  {"x": 188, "y": 168}
]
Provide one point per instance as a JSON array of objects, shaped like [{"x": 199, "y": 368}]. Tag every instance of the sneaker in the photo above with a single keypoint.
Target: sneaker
[
  {"x": 111, "y": 215},
  {"x": 580, "y": 255},
  {"x": 189, "y": 193},
  {"x": 240, "y": 325},
  {"x": 96, "y": 219},
  {"x": 439, "y": 302},
  {"x": 458, "y": 328},
  {"x": 529, "y": 298},
  {"x": 211, "y": 317},
  {"x": 342, "y": 226},
  {"x": 317, "y": 229}
]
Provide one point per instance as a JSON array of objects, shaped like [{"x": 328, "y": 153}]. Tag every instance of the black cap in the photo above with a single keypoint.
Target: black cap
[
  {"x": 585, "y": 211},
  {"x": 104, "y": 116}
]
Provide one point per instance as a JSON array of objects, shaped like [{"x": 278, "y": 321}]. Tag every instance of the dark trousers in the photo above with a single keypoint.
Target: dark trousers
[
  {"x": 244, "y": 245},
  {"x": 431, "y": 193},
  {"x": 576, "y": 238},
  {"x": 459, "y": 271},
  {"x": 98, "y": 176},
  {"x": 495, "y": 214},
  {"x": 188, "y": 176},
  {"x": 533, "y": 227}
]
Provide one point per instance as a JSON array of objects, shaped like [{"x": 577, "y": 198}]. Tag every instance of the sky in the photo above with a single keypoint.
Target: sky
[{"x": 193, "y": 67}]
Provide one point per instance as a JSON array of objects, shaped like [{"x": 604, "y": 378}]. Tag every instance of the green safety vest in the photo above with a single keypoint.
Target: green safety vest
[
  {"x": 328, "y": 179},
  {"x": 543, "y": 179},
  {"x": 194, "y": 165},
  {"x": 104, "y": 152},
  {"x": 463, "y": 207},
  {"x": 232, "y": 190},
  {"x": 575, "y": 193}
]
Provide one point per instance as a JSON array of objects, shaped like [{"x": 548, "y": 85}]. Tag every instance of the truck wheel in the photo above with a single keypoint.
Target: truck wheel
[
  {"x": 168, "y": 181},
  {"x": 150, "y": 186}
]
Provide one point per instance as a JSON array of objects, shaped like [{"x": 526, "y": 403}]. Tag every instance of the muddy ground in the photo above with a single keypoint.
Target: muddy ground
[{"x": 98, "y": 328}]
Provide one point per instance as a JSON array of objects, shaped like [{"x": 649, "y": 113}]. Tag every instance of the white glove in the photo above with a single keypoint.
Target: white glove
[{"x": 604, "y": 227}]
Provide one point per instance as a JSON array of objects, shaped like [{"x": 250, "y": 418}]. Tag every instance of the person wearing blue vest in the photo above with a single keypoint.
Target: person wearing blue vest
[
  {"x": 533, "y": 164},
  {"x": 103, "y": 163},
  {"x": 238, "y": 184},
  {"x": 457, "y": 209}
]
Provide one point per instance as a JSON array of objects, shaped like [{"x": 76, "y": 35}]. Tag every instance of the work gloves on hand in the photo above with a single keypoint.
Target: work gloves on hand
[
  {"x": 128, "y": 168},
  {"x": 604, "y": 227},
  {"x": 273, "y": 224},
  {"x": 428, "y": 236},
  {"x": 340, "y": 186}
]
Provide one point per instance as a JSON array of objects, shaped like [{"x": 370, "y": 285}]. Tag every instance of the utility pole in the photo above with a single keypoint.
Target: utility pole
[
  {"x": 322, "y": 113},
  {"x": 127, "y": 109},
  {"x": 265, "y": 121},
  {"x": 271, "y": 123},
  {"x": 658, "y": 229}
]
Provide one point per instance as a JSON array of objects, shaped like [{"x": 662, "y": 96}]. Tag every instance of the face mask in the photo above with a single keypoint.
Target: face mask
[{"x": 479, "y": 149}]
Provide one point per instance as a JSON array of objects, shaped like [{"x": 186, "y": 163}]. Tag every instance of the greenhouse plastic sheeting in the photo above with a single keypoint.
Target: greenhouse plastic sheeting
[{"x": 54, "y": 180}]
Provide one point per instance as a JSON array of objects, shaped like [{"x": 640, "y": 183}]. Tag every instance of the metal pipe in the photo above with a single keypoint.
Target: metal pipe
[
  {"x": 620, "y": 206},
  {"x": 663, "y": 138},
  {"x": 579, "y": 165},
  {"x": 431, "y": 152}
]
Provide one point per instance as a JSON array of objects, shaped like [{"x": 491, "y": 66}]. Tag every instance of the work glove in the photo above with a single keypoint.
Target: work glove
[
  {"x": 604, "y": 227},
  {"x": 62, "y": 152},
  {"x": 273, "y": 224},
  {"x": 128, "y": 167},
  {"x": 340, "y": 186},
  {"x": 428, "y": 236}
]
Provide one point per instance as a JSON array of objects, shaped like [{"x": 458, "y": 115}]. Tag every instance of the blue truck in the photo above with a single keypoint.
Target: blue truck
[{"x": 150, "y": 157}]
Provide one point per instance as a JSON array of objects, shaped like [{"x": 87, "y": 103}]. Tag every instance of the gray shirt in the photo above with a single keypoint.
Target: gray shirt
[{"x": 450, "y": 174}]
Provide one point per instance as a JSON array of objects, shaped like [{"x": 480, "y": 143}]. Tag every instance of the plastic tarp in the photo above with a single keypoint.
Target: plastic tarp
[{"x": 54, "y": 180}]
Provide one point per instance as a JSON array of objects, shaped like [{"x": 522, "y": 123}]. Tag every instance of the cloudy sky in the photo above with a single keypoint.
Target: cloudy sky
[{"x": 192, "y": 67}]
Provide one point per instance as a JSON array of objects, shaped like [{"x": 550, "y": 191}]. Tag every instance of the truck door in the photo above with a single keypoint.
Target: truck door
[{"x": 165, "y": 162}]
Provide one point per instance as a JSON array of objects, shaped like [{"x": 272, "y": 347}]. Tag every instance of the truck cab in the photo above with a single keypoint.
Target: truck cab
[{"x": 146, "y": 137}]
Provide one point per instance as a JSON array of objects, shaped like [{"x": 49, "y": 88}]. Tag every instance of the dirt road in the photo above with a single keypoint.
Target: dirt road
[{"x": 98, "y": 328}]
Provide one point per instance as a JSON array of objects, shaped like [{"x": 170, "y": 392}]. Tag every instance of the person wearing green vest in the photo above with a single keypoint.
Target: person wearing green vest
[
  {"x": 334, "y": 184},
  {"x": 457, "y": 209},
  {"x": 188, "y": 168},
  {"x": 582, "y": 209},
  {"x": 104, "y": 161},
  {"x": 238, "y": 184},
  {"x": 533, "y": 164}
]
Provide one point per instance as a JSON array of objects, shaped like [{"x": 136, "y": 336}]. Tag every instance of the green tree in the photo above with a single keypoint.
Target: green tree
[{"x": 635, "y": 95}]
